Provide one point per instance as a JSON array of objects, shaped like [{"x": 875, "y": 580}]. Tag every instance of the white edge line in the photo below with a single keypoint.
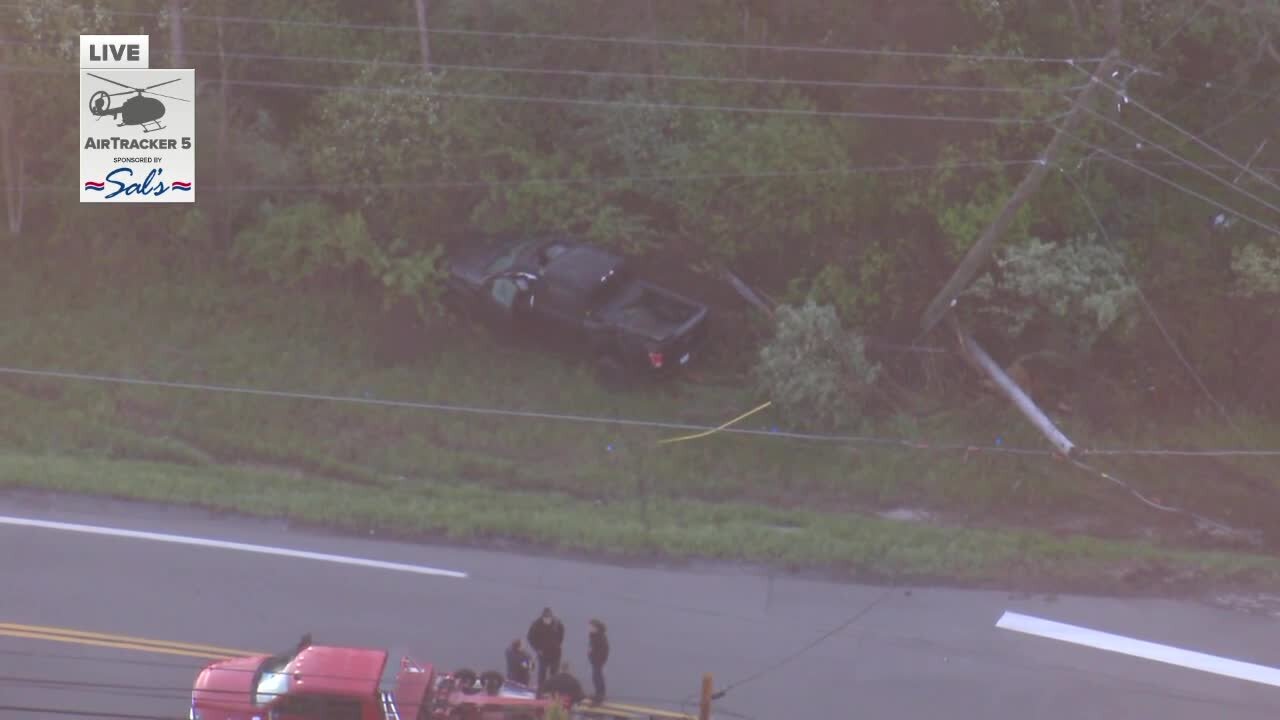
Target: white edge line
[
  {"x": 227, "y": 545},
  {"x": 1140, "y": 648}
]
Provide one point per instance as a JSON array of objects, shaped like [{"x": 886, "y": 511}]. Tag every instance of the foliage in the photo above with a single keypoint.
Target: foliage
[
  {"x": 665, "y": 149},
  {"x": 1258, "y": 269},
  {"x": 1079, "y": 284},
  {"x": 815, "y": 370}
]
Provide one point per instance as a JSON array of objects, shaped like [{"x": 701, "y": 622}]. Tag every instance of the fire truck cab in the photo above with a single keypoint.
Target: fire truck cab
[{"x": 315, "y": 682}]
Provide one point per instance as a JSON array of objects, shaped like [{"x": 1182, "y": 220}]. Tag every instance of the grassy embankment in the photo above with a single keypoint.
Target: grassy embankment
[{"x": 541, "y": 482}]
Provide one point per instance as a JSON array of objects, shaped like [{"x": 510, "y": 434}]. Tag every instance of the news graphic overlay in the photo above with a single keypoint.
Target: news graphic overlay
[{"x": 137, "y": 124}]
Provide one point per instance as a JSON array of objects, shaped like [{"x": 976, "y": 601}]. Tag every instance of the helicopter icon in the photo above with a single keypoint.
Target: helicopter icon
[{"x": 138, "y": 110}]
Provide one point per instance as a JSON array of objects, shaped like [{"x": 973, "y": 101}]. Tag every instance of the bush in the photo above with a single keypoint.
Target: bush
[{"x": 814, "y": 370}]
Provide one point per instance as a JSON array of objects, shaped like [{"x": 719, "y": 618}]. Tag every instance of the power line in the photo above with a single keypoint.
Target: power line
[
  {"x": 604, "y": 39},
  {"x": 1121, "y": 93},
  {"x": 500, "y": 412},
  {"x": 786, "y": 660},
  {"x": 1183, "y": 25},
  {"x": 1151, "y": 312},
  {"x": 446, "y": 184},
  {"x": 1161, "y": 178},
  {"x": 586, "y": 419},
  {"x": 1142, "y": 139},
  {"x": 593, "y": 73},
  {"x": 597, "y": 103}
]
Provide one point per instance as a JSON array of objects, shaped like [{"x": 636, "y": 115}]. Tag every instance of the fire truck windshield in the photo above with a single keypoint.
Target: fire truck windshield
[{"x": 273, "y": 681}]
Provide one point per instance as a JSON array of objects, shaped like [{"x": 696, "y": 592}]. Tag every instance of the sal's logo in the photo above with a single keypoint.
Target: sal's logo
[
  {"x": 137, "y": 125},
  {"x": 121, "y": 181}
]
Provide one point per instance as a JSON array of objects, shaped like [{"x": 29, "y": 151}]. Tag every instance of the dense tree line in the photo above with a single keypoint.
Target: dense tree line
[{"x": 338, "y": 144}]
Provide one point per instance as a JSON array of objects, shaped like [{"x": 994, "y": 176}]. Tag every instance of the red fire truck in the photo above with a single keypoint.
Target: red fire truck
[{"x": 319, "y": 682}]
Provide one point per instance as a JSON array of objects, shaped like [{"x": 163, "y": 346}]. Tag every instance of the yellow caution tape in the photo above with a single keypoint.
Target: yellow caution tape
[{"x": 717, "y": 429}]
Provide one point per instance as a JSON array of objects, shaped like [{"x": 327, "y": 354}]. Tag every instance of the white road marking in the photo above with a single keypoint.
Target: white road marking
[
  {"x": 226, "y": 545},
  {"x": 1140, "y": 648}
]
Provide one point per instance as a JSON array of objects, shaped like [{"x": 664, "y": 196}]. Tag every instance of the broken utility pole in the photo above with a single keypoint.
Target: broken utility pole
[
  {"x": 982, "y": 249},
  {"x": 942, "y": 304},
  {"x": 983, "y": 363}
]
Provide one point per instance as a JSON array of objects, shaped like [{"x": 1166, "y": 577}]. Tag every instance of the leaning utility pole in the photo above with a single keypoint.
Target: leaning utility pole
[{"x": 982, "y": 249}]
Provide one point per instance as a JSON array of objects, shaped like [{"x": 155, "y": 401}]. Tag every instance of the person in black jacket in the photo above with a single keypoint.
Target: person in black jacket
[
  {"x": 519, "y": 663},
  {"x": 598, "y": 655},
  {"x": 546, "y": 637}
]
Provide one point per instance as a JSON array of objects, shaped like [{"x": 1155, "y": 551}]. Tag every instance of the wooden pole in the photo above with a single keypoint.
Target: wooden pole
[
  {"x": 982, "y": 362},
  {"x": 982, "y": 249},
  {"x": 704, "y": 706},
  {"x": 177, "y": 44},
  {"x": 424, "y": 41}
]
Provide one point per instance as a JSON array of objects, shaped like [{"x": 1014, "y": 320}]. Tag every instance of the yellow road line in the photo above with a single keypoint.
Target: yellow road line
[
  {"x": 122, "y": 641},
  {"x": 643, "y": 711}
]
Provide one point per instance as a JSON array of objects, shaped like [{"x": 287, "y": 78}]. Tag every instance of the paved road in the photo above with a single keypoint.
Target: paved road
[{"x": 931, "y": 653}]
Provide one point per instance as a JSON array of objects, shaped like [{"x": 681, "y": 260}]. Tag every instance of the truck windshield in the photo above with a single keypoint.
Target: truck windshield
[
  {"x": 273, "y": 681},
  {"x": 508, "y": 258}
]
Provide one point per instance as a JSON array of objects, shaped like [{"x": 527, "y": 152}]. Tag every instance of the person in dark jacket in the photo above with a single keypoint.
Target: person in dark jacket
[
  {"x": 546, "y": 637},
  {"x": 565, "y": 685},
  {"x": 519, "y": 663},
  {"x": 598, "y": 655}
]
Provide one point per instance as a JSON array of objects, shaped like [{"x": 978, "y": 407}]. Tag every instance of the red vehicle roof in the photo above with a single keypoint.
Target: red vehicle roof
[{"x": 337, "y": 671}]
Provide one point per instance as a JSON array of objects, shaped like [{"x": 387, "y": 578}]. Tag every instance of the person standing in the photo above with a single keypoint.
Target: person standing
[
  {"x": 519, "y": 663},
  {"x": 546, "y": 637},
  {"x": 597, "y": 655}
]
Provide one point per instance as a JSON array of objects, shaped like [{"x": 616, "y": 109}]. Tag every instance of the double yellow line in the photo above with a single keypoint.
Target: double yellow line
[{"x": 122, "y": 642}]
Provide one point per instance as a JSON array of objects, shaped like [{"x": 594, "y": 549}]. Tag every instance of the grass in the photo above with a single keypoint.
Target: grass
[
  {"x": 574, "y": 485},
  {"x": 858, "y": 546}
]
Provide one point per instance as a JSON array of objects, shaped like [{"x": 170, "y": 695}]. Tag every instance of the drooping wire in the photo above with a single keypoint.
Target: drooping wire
[{"x": 1149, "y": 309}]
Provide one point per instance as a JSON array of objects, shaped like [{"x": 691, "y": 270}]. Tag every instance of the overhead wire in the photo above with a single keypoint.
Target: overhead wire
[
  {"x": 630, "y": 40},
  {"x": 575, "y": 72},
  {"x": 629, "y": 104},
  {"x": 1127, "y": 99},
  {"x": 535, "y": 415},
  {"x": 804, "y": 649},
  {"x": 1177, "y": 352},
  {"x": 1149, "y": 309},
  {"x": 606, "y": 179},
  {"x": 1204, "y": 4},
  {"x": 1190, "y": 163},
  {"x": 1125, "y": 161},
  {"x": 587, "y": 419}
]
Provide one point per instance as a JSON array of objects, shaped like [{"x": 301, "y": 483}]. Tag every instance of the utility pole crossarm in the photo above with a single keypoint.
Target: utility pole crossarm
[{"x": 982, "y": 249}]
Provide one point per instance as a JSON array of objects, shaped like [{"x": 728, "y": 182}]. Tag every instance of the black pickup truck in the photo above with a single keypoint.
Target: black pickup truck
[{"x": 580, "y": 298}]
